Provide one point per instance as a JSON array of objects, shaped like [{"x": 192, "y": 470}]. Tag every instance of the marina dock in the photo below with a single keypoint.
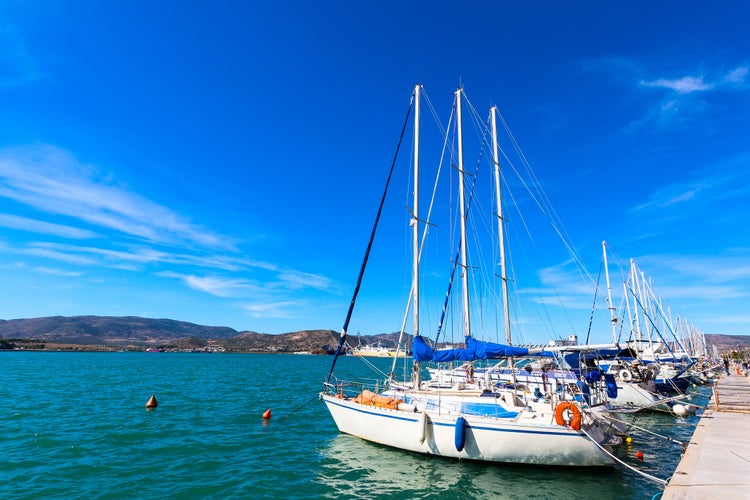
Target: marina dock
[{"x": 716, "y": 463}]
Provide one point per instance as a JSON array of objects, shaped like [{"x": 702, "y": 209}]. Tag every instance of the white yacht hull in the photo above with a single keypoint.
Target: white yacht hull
[
  {"x": 631, "y": 395},
  {"x": 485, "y": 438}
]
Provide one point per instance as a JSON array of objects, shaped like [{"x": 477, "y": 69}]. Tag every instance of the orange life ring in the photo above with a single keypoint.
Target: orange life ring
[{"x": 575, "y": 424}]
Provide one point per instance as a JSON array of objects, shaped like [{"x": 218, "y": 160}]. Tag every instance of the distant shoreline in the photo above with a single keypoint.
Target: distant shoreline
[{"x": 54, "y": 347}]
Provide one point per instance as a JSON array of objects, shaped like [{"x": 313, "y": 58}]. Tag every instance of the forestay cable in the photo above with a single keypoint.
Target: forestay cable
[{"x": 342, "y": 338}]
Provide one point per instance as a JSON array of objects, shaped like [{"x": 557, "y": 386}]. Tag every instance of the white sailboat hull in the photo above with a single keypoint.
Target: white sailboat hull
[
  {"x": 632, "y": 396},
  {"x": 485, "y": 438}
]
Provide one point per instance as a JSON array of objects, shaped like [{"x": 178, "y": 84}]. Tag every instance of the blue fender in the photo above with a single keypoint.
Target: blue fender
[
  {"x": 460, "y": 436},
  {"x": 611, "y": 385}
]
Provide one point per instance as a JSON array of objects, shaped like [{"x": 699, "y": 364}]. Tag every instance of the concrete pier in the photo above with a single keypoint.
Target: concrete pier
[{"x": 716, "y": 463}]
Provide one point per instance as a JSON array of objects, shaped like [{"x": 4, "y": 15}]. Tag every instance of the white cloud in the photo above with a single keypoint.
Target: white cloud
[
  {"x": 562, "y": 286},
  {"x": 57, "y": 272},
  {"x": 703, "y": 292},
  {"x": 135, "y": 257},
  {"x": 131, "y": 233},
  {"x": 707, "y": 269},
  {"x": 684, "y": 85},
  {"x": 697, "y": 193},
  {"x": 691, "y": 84},
  {"x": 685, "y": 93},
  {"x": 297, "y": 279},
  {"x": 221, "y": 287},
  {"x": 51, "y": 180},
  {"x": 282, "y": 309},
  {"x": 59, "y": 256},
  {"x": 37, "y": 226},
  {"x": 737, "y": 75},
  {"x": 214, "y": 285}
]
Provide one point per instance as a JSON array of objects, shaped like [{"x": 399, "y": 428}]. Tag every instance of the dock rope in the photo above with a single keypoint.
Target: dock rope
[
  {"x": 630, "y": 467},
  {"x": 632, "y": 424}
]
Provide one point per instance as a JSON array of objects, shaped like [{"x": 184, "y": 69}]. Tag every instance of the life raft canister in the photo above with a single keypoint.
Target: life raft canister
[{"x": 575, "y": 423}]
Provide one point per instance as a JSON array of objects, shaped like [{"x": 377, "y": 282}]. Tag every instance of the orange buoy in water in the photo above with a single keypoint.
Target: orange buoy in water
[
  {"x": 152, "y": 402},
  {"x": 639, "y": 455},
  {"x": 267, "y": 414}
]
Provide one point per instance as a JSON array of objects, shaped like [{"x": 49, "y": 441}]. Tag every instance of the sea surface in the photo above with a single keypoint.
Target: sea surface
[{"x": 75, "y": 425}]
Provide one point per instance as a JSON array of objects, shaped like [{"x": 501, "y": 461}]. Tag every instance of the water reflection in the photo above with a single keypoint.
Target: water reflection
[{"x": 353, "y": 468}]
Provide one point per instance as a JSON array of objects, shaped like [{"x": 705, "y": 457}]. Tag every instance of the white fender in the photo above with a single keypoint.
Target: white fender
[{"x": 422, "y": 431}]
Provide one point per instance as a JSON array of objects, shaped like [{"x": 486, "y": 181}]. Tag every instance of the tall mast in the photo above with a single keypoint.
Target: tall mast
[
  {"x": 416, "y": 367},
  {"x": 415, "y": 213},
  {"x": 634, "y": 287},
  {"x": 500, "y": 222},
  {"x": 462, "y": 207},
  {"x": 611, "y": 307}
]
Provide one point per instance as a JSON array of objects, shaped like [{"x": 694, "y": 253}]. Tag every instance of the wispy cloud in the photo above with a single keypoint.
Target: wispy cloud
[
  {"x": 297, "y": 279},
  {"x": 133, "y": 257},
  {"x": 51, "y": 271},
  {"x": 127, "y": 232},
  {"x": 707, "y": 269},
  {"x": 690, "y": 84},
  {"x": 260, "y": 299},
  {"x": 684, "y": 92},
  {"x": 562, "y": 285},
  {"x": 683, "y": 281},
  {"x": 674, "y": 194},
  {"x": 37, "y": 226},
  {"x": 218, "y": 286},
  {"x": 282, "y": 309},
  {"x": 736, "y": 76},
  {"x": 684, "y": 85},
  {"x": 51, "y": 180},
  {"x": 56, "y": 272},
  {"x": 686, "y": 197},
  {"x": 90, "y": 256}
]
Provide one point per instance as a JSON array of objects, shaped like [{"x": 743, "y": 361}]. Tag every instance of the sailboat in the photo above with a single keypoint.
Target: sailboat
[
  {"x": 652, "y": 374},
  {"x": 636, "y": 389},
  {"x": 481, "y": 421}
]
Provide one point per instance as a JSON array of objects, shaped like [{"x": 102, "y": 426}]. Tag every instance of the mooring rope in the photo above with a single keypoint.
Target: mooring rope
[
  {"x": 681, "y": 443},
  {"x": 630, "y": 467},
  {"x": 300, "y": 407}
]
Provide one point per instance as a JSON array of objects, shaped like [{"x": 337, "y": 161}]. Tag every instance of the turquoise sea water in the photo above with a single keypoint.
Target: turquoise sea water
[{"x": 74, "y": 425}]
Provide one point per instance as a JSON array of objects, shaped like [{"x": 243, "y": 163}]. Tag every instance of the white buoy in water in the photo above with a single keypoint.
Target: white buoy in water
[{"x": 679, "y": 410}]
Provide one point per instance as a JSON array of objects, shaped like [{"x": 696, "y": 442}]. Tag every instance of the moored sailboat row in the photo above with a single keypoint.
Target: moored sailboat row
[
  {"x": 490, "y": 422},
  {"x": 558, "y": 404}
]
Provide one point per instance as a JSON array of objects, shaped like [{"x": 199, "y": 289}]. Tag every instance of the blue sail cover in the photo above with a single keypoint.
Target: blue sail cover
[{"x": 475, "y": 349}]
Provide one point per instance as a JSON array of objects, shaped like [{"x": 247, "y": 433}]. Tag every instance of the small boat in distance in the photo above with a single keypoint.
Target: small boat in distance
[{"x": 377, "y": 351}]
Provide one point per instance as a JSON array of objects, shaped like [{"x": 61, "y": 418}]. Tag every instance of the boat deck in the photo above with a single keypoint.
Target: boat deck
[{"x": 717, "y": 460}]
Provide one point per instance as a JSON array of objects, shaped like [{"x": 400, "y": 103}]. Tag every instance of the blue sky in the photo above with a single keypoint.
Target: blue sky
[{"x": 221, "y": 162}]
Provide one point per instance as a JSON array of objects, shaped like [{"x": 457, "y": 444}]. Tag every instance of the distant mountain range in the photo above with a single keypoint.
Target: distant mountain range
[
  {"x": 728, "y": 343},
  {"x": 131, "y": 332}
]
